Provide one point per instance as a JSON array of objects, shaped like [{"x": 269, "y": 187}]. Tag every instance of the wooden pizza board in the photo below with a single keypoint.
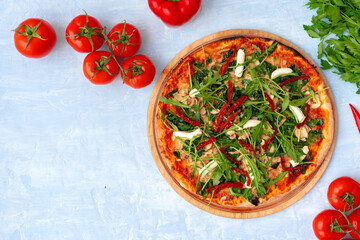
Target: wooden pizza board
[{"x": 227, "y": 211}]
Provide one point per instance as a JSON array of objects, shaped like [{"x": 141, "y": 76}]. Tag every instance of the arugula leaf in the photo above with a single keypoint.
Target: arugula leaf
[
  {"x": 256, "y": 182},
  {"x": 257, "y": 131},
  {"x": 285, "y": 104},
  {"x": 178, "y": 122},
  {"x": 247, "y": 194},
  {"x": 300, "y": 101},
  {"x": 172, "y": 102},
  {"x": 236, "y": 192},
  {"x": 277, "y": 179},
  {"x": 315, "y": 122},
  {"x": 289, "y": 147}
]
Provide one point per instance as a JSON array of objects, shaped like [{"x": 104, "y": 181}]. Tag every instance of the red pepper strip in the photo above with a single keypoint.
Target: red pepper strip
[
  {"x": 225, "y": 65},
  {"x": 237, "y": 103},
  {"x": 228, "y": 120},
  {"x": 266, "y": 144},
  {"x": 228, "y": 156},
  {"x": 356, "y": 116},
  {"x": 248, "y": 147},
  {"x": 290, "y": 80},
  {"x": 218, "y": 188},
  {"x": 230, "y": 91},
  {"x": 271, "y": 102},
  {"x": 181, "y": 115},
  {"x": 203, "y": 144},
  {"x": 243, "y": 172},
  {"x": 291, "y": 170},
  {"x": 229, "y": 125},
  {"x": 299, "y": 125},
  {"x": 220, "y": 116}
]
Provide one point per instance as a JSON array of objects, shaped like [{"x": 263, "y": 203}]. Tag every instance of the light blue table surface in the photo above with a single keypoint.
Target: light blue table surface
[{"x": 75, "y": 161}]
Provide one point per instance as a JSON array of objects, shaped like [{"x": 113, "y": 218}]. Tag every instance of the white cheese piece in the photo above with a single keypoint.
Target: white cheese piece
[
  {"x": 299, "y": 115},
  {"x": 240, "y": 60},
  {"x": 206, "y": 171},
  {"x": 188, "y": 135},
  {"x": 280, "y": 71},
  {"x": 293, "y": 163},
  {"x": 306, "y": 151},
  {"x": 194, "y": 92},
  {"x": 251, "y": 123}
]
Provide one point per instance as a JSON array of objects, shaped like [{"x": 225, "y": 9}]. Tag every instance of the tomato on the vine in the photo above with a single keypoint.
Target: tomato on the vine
[
  {"x": 84, "y": 34},
  {"x": 326, "y": 225},
  {"x": 125, "y": 40},
  {"x": 354, "y": 219},
  {"x": 34, "y": 38},
  {"x": 174, "y": 12},
  {"x": 344, "y": 191},
  {"x": 100, "y": 67},
  {"x": 139, "y": 71}
]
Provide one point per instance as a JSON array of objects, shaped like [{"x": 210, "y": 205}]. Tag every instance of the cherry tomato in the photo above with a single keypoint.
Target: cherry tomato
[
  {"x": 84, "y": 34},
  {"x": 344, "y": 191},
  {"x": 139, "y": 70},
  {"x": 325, "y": 221},
  {"x": 34, "y": 38},
  {"x": 126, "y": 40},
  {"x": 174, "y": 12},
  {"x": 99, "y": 68},
  {"x": 354, "y": 219}
]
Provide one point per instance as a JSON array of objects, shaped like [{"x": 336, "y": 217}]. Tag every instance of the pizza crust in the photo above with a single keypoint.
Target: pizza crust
[{"x": 180, "y": 171}]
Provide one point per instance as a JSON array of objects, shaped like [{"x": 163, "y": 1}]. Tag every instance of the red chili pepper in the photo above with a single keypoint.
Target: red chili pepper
[
  {"x": 181, "y": 115},
  {"x": 226, "y": 124},
  {"x": 203, "y": 144},
  {"x": 266, "y": 144},
  {"x": 237, "y": 103},
  {"x": 291, "y": 170},
  {"x": 243, "y": 172},
  {"x": 356, "y": 116},
  {"x": 290, "y": 80},
  {"x": 228, "y": 156},
  {"x": 307, "y": 109},
  {"x": 225, "y": 65},
  {"x": 218, "y": 188},
  {"x": 230, "y": 91},
  {"x": 220, "y": 116},
  {"x": 271, "y": 102},
  {"x": 248, "y": 147}
]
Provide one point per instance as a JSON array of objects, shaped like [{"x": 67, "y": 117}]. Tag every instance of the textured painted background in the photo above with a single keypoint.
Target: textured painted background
[{"x": 74, "y": 157}]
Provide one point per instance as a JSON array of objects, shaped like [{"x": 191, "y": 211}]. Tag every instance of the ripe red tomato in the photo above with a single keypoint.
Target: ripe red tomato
[
  {"x": 174, "y": 12},
  {"x": 322, "y": 225},
  {"x": 354, "y": 219},
  {"x": 343, "y": 190},
  {"x": 84, "y": 34},
  {"x": 99, "y": 68},
  {"x": 139, "y": 70},
  {"x": 34, "y": 38},
  {"x": 126, "y": 40}
]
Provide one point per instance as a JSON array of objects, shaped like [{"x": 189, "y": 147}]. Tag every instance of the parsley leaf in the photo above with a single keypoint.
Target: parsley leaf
[{"x": 337, "y": 25}]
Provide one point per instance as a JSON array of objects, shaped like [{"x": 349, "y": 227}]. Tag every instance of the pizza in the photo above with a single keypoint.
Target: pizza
[{"x": 243, "y": 121}]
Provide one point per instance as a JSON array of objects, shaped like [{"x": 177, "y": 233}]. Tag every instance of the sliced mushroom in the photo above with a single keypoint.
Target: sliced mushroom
[
  {"x": 231, "y": 134},
  {"x": 303, "y": 132},
  {"x": 314, "y": 104}
]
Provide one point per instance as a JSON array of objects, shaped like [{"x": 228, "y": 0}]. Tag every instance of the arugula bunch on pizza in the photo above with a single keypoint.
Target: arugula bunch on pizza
[{"x": 243, "y": 121}]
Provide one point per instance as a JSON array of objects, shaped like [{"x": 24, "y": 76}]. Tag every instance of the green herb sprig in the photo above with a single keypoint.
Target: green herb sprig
[{"x": 337, "y": 25}]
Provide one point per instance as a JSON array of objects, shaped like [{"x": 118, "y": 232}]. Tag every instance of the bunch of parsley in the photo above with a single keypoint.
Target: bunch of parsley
[{"x": 337, "y": 25}]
